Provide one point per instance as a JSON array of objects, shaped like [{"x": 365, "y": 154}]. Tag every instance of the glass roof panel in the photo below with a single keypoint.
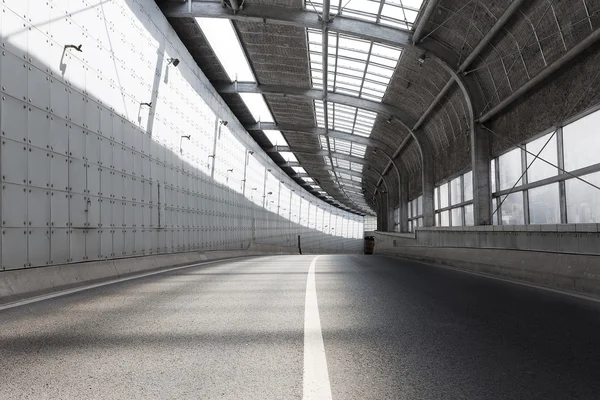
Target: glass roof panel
[
  {"x": 299, "y": 170},
  {"x": 288, "y": 156},
  {"x": 399, "y": 13},
  {"x": 275, "y": 137},
  {"x": 349, "y": 61}
]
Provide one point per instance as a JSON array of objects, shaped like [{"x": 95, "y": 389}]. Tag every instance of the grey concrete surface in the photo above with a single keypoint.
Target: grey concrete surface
[{"x": 234, "y": 330}]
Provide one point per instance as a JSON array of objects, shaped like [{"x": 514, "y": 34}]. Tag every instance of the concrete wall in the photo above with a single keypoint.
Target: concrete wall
[
  {"x": 90, "y": 173},
  {"x": 560, "y": 256}
]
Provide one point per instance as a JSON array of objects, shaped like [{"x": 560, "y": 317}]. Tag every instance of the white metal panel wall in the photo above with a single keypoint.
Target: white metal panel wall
[{"x": 90, "y": 172}]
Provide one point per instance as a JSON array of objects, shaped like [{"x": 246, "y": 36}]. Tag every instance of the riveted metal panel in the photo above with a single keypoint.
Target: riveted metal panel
[
  {"x": 59, "y": 135},
  {"x": 14, "y": 29},
  {"x": 93, "y": 244},
  {"x": 59, "y": 209},
  {"x": 118, "y": 127},
  {"x": 14, "y": 205},
  {"x": 77, "y": 138},
  {"x": 119, "y": 242},
  {"x": 106, "y": 243},
  {"x": 59, "y": 172},
  {"x": 129, "y": 217},
  {"x": 93, "y": 179},
  {"x": 138, "y": 140},
  {"x": 38, "y": 207},
  {"x": 38, "y": 126},
  {"x": 106, "y": 122},
  {"x": 77, "y": 245},
  {"x": 92, "y": 115},
  {"x": 137, "y": 164},
  {"x": 106, "y": 182},
  {"x": 129, "y": 132},
  {"x": 118, "y": 153},
  {"x": 147, "y": 144},
  {"x": 93, "y": 211},
  {"x": 14, "y": 248},
  {"x": 13, "y": 75},
  {"x": 106, "y": 152},
  {"x": 59, "y": 250},
  {"x": 76, "y": 106},
  {"x": 78, "y": 204},
  {"x": 77, "y": 176},
  {"x": 129, "y": 242},
  {"x": 38, "y": 167},
  {"x": 128, "y": 188},
  {"x": 117, "y": 185},
  {"x": 92, "y": 147},
  {"x": 128, "y": 156},
  {"x": 39, "y": 246},
  {"x": 137, "y": 214},
  {"x": 14, "y": 162},
  {"x": 38, "y": 88},
  {"x": 14, "y": 119},
  {"x": 59, "y": 98},
  {"x": 118, "y": 210}
]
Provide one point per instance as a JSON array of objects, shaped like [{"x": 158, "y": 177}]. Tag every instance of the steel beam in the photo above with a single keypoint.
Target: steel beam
[
  {"x": 304, "y": 18},
  {"x": 491, "y": 34},
  {"x": 575, "y": 51},
  {"x": 313, "y": 130},
  {"x": 315, "y": 94},
  {"x": 425, "y": 15}
]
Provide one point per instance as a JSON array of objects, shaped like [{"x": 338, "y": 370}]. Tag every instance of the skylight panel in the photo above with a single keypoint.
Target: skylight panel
[
  {"x": 308, "y": 180},
  {"x": 288, "y": 156},
  {"x": 257, "y": 106},
  {"x": 224, "y": 42},
  {"x": 299, "y": 170},
  {"x": 275, "y": 137}
]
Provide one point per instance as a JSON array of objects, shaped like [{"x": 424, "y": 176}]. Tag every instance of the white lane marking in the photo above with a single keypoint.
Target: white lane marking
[
  {"x": 316, "y": 378},
  {"x": 96, "y": 285},
  {"x": 508, "y": 280}
]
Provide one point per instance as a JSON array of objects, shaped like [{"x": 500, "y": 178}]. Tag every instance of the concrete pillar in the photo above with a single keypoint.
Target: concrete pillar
[
  {"x": 480, "y": 163},
  {"x": 428, "y": 180},
  {"x": 403, "y": 206}
]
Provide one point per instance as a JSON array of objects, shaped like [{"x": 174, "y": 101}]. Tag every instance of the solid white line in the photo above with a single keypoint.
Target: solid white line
[
  {"x": 96, "y": 285},
  {"x": 316, "y": 378},
  {"x": 508, "y": 280}
]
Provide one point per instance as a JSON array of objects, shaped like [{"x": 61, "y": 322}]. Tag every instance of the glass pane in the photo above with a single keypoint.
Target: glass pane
[
  {"x": 581, "y": 142},
  {"x": 512, "y": 209},
  {"x": 420, "y": 221},
  {"x": 469, "y": 220},
  {"x": 544, "y": 205},
  {"x": 455, "y": 191},
  {"x": 420, "y": 208},
  {"x": 445, "y": 218},
  {"x": 583, "y": 200},
  {"x": 468, "y": 182},
  {"x": 510, "y": 169},
  {"x": 444, "y": 195},
  {"x": 539, "y": 169},
  {"x": 457, "y": 216},
  {"x": 410, "y": 214}
]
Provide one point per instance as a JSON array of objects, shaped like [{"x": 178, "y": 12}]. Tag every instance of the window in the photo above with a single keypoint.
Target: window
[
  {"x": 457, "y": 216},
  {"x": 443, "y": 196},
  {"x": 581, "y": 142},
  {"x": 469, "y": 220},
  {"x": 583, "y": 200},
  {"x": 468, "y": 183},
  {"x": 512, "y": 209},
  {"x": 544, "y": 205},
  {"x": 445, "y": 218},
  {"x": 455, "y": 191},
  {"x": 510, "y": 169},
  {"x": 539, "y": 169}
]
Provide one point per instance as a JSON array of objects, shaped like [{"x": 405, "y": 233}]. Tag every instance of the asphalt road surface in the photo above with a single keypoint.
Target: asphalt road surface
[{"x": 367, "y": 327}]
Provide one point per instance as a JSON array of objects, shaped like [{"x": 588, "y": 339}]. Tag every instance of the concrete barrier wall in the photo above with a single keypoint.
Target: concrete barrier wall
[{"x": 565, "y": 257}]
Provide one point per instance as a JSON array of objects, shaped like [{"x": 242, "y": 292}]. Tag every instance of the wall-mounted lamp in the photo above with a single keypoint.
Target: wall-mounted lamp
[
  {"x": 250, "y": 152},
  {"x": 188, "y": 137},
  {"x": 389, "y": 120},
  {"x": 174, "y": 61},
  {"x": 149, "y": 105},
  {"x": 72, "y": 46},
  {"x": 230, "y": 170},
  {"x": 422, "y": 59},
  {"x": 270, "y": 193},
  {"x": 254, "y": 189},
  {"x": 223, "y": 122}
]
